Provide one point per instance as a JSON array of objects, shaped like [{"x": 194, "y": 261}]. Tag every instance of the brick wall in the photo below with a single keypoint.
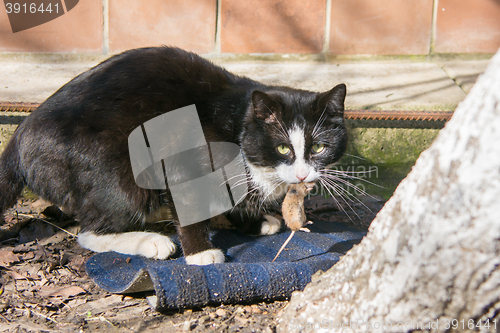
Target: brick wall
[{"x": 336, "y": 27}]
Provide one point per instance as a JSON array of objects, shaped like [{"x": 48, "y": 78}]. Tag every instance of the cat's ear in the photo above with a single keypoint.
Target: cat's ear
[
  {"x": 333, "y": 100},
  {"x": 265, "y": 107}
]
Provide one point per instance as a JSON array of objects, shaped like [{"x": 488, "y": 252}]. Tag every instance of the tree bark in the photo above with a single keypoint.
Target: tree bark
[{"x": 431, "y": 258}]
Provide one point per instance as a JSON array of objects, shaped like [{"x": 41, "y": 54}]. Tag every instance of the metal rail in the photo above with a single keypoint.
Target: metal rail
[
  {"x": 398, "y": 115},
  {"x": 348, "y": 114},
  {"x": 18, "y": 106}
]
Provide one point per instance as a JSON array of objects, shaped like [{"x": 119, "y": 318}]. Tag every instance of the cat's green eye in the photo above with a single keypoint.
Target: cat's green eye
[
  {"x": 318, "y": 148},
  {"x": 283, "y": 149}
]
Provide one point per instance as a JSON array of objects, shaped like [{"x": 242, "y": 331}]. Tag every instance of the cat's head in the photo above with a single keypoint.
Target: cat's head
[{"x": 290, "y": 135}]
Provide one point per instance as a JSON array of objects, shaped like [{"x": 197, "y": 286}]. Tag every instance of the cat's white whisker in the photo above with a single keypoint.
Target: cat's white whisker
[
  {"x": 346, "y": 175},
  {"x": 359, "y": 157},
  {"x": 231, "y": 178},
  {"x": 334, "y": 179},
  {"x": 351, "y": 185},
  {"x": 318, "y": 125},
  {"x": 325, "y": 133},
  {"x": 241, "y": 182},
  {"x": 345, "y": 182},
  {"x": 251, "y": 192},
  {"x": 276, "y": 185},
  {"x": 282, "y": 131},
  {"x": 339, "y": 190},
  {"x": 340, "y": 194},
  {"x": 325, "y": 185}
]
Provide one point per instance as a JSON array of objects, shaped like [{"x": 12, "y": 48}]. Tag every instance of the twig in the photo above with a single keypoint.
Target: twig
[
  {"x": 43, "y": 316},
  {"x": 5, "y": 318},
  {"x": 8, "y": 240},
  {"x": 52, "y": 224},
  {"x": 101, "y": 318}
]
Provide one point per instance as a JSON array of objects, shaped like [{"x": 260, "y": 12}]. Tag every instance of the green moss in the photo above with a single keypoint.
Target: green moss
[{"x": 390, "y": 145}]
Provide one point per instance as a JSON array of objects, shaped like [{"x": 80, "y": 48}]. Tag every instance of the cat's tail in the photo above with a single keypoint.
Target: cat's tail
[{"x": 11, "y": 180}]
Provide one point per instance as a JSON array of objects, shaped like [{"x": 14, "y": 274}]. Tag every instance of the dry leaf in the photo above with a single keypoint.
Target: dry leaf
[
  {"x": 64, "y": 292},
  {"x": 7, "y": 257},
  {"x": 31, "y": 270},
  {"x": 22, "y": 248},
  {"x": 77, "y": 263},
  {"x": 103, "y": 304},
  {"x": 28, "y": 256},
  {"x": 16, "y": 275},
  {"x": 76, "y": 302}
]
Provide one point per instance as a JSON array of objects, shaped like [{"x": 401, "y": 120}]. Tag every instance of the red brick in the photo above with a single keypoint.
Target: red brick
[
  {"x": 380, "y": 26},
  {"x": 189, "y": 24},
  {"x": 275, "y": 26},
  {"x": 79, "y": 30},
  {"x": 465, "y": 26}
]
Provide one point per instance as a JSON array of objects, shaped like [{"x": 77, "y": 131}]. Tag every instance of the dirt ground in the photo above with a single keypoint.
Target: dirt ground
[{"x": 44, "y": 287}]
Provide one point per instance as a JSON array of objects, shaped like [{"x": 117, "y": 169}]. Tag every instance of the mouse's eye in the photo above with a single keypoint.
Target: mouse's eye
[
  {"x": 318, "y": 148},
  {"x": 283, "y": 149}
]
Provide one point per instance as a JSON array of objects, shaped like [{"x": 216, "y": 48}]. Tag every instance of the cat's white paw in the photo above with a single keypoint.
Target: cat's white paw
[
  {"x": 148, "y": 244},
  {"x": 270, "y": 226},
  {"x": 207, "y": 257},
  {"x": 156, "y": 246}
]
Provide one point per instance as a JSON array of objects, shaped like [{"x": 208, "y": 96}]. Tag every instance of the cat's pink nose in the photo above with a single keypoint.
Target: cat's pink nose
[{"x": 301, "y": 177}]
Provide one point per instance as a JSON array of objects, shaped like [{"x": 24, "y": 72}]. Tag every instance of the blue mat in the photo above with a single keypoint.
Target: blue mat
[{"x": 247, "y": 276}]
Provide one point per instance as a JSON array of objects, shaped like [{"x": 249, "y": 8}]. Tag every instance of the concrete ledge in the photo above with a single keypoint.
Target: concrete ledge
[{"x": 383, "y": 84}]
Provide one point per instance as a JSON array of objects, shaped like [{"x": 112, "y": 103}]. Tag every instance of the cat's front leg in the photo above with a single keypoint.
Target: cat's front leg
[
  {"x": 195, "y": 241},
  {"x": 250, "y": 218}
]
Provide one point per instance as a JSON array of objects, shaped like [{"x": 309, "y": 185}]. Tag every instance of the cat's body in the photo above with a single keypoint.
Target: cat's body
[{"x": 73, "y": 150}]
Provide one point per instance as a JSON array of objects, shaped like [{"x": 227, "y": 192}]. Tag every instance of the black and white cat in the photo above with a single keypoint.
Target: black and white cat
[{"x": 73, "y": 149}]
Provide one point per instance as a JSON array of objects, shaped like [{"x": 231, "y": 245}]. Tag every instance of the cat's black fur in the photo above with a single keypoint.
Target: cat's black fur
[{"x": 73, "y": 149}]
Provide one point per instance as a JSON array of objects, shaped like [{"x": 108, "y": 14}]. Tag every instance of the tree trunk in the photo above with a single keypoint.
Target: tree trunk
[{"x": 431, "y": 258}]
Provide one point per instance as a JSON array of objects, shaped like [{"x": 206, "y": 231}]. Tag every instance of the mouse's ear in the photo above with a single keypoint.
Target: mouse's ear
[
  {"x": 265, "y": 107},
  {"x": 333, "y": 100}
]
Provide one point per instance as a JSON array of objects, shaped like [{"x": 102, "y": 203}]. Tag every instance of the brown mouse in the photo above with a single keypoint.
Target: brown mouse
[{"x": 293, "y": 205}]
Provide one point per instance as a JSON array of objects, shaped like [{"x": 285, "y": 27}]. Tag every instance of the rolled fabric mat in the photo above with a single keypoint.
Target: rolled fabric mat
[{"x": 248, "y": 275}]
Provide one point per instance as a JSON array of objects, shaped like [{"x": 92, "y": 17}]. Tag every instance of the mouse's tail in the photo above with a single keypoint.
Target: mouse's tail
[{"x": 11, "y": 180}]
